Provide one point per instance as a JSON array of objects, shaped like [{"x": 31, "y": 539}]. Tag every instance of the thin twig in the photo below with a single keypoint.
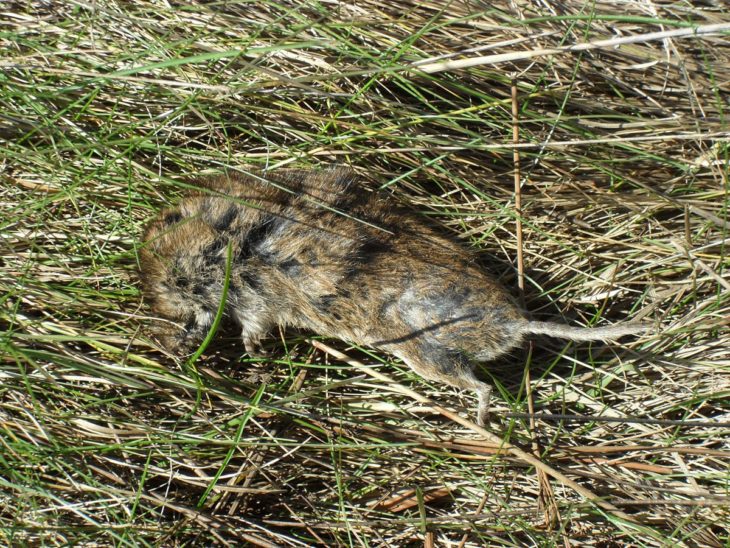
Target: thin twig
[
  {"x": 546, "y": 498},
  {"x": 583, "y": 46},
  {"x": 518, "y": 196},
  {"x": 620, "y": 420}
]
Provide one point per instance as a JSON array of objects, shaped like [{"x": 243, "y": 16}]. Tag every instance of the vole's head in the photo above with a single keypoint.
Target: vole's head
[{"x": 181, "y": 261}]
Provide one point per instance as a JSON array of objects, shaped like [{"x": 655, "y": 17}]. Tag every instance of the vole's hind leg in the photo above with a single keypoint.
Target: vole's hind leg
[
  {"x": 448, "y": 366},
  {"x": 484, "y": 393}
]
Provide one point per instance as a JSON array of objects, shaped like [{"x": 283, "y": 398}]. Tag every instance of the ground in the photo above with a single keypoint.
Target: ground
[{"x": 109, "y": 110}]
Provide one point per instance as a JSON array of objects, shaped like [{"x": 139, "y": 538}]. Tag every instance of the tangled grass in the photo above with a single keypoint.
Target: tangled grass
[{"x": 108, "y": 108}]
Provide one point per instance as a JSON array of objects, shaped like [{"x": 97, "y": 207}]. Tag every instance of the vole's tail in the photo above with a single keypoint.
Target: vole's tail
[{"x": 584, "y": 333}]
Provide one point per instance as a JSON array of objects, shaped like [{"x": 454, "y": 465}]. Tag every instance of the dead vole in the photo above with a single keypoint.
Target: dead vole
[{"x": 315, "y": 251}]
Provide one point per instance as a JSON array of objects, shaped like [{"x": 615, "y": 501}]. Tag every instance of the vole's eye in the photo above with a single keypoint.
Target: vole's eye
[
  {"x": 172, "y": 218},
  {"x": 182, "y": 281}
]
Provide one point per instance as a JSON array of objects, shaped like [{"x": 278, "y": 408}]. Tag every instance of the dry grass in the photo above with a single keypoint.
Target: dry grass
[{"x": 107, "y": 108}]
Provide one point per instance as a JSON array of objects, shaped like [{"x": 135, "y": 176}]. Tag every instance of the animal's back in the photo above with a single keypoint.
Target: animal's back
[{"x": 313, "y": 250}]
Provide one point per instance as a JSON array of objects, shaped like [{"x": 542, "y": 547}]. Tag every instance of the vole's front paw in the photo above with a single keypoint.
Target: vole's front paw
[{"x": 253, "y": 347}]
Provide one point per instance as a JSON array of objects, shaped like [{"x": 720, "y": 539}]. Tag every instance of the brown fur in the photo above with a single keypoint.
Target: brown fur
[{"x": 315, "y": 251}]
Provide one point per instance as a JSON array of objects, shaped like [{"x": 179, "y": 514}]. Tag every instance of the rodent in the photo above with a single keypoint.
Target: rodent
[{"x": 315, "y": 250}]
